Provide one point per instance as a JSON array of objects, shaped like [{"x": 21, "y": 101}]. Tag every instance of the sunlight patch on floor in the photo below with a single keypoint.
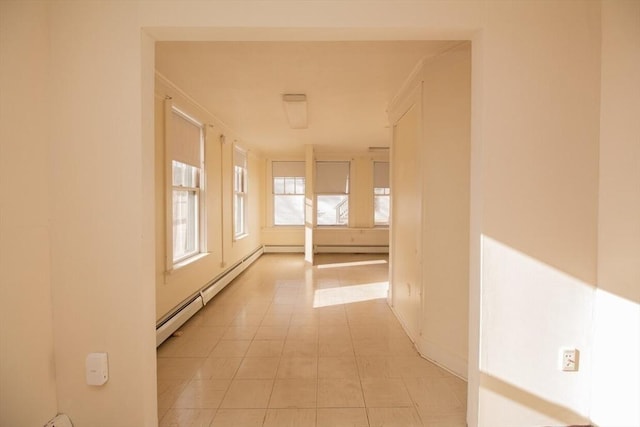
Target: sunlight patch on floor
[
  {"x": 353, "y": 263},
  {"x": 350, "y": 294}
]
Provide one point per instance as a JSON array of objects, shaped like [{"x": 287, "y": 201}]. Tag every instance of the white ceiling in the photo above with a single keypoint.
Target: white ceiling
[{"x": 348, "y": 86}]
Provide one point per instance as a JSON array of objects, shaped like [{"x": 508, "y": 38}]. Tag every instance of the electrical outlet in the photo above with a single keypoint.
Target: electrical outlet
[{"x": 570, "y": 360}]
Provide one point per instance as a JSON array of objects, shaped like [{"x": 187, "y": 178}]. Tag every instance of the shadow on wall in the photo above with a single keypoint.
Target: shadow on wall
[
  {"x": 532, "y": 311},
  {"x": 529, "y": 400}
]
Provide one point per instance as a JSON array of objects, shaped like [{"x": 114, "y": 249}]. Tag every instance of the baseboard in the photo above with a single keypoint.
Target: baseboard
[
  {"x": 222, "y": 280},
  {"x": 179, "y": 318},
  {"x": 184, "y": 311},
  {"x": 347, "y": 249},
  {"x": 445, "y": 359},
  {"x": 283, "y": 249}
]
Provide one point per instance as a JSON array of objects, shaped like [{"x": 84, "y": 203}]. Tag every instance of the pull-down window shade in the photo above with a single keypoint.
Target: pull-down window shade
[
  {"x": 332, "y": 193},
  {"x": 288, "y": 169},
  {"x": 185, "y": 140},
  {"x": 381, "y": 174},
  {"x": 332, "y": 177}
]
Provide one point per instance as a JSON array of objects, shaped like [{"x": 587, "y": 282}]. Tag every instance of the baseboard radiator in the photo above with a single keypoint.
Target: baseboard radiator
[
  {"x": 328, "y": 249},
  {"x": 284, "y": 249},
  {"x": 351, "y": 249},
  {"x": 183, "y": 312}
]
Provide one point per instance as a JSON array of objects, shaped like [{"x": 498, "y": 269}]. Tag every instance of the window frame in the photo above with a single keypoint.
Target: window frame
[
  {"x": 380, "y": 193},
  {"x": 198, "y": 190},
  {"x": 240, "y": 184},
  {"x": 297, "y": 192},
  {"x": 346, "y": 194}
]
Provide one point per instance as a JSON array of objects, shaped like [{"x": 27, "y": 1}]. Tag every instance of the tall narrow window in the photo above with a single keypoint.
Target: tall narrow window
[
  {"x": 288, "y": 193},
  {"x": 186, "y": 140},
  {"x": 239, "y": 193},
  {"x": 381, "y": 192},
  {"x": 332, "y": 193}
]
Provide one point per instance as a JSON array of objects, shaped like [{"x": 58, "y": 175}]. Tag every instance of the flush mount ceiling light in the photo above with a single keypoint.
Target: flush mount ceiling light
[
  {"x": 378, "y": 148},
  {"x": 295, "y": 105}
]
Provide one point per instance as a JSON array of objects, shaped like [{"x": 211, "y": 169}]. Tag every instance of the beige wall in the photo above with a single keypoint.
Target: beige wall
[
  {"x": 27, "y": 374},
  {"x": 615, "y": 385},
  {"x": 173, "y": 286},
  {"x": 445, "y": 199},
  {"x": 101, "y": 215},
  {"x": 539, "y": 180},
  {"x": 430, "y": 225},
  {"x": 406, "y": 217},
  {"x": 536, "y": 90}
]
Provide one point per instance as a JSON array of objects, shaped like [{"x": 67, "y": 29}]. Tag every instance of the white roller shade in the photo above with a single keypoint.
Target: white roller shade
[
  {"x": 288, "y": 169},
  {"x": 239, "y": 157},
  {"x": 380, "y": 174},
  {"x": 332, "y": 177},
  {"x": 186, "y": 138}
]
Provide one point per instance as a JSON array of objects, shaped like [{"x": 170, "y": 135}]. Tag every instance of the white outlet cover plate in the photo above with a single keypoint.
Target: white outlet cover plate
[
  {"x": 97, "y": 368},
  {"x": 569, "y": 360}
]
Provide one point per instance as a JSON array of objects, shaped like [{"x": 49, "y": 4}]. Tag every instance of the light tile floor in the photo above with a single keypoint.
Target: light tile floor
[{"x": 291, "y": 345}]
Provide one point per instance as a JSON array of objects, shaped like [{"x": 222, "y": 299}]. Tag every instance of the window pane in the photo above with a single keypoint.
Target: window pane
[
  {"x": 289, "y": 185},
  {"x": 240, "y": 192},
  {"x": 288, "y": 210},
  {"x": 381, "y": 210},
  {"x": 185, "y": 223},
  {"x": 333, "y": 209},
  {"x": 278, "y": 185},
  {"x": 184, "y": 175},
  {"x": 239, "y": 212},
  {"x": 381, "y": 191},
  {"x": 239, "y": 179}
]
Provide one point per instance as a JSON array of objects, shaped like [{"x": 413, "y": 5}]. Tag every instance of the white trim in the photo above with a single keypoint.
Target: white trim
[
  {"x": 339, "y": 249},
  {"x": 455, "y": 364},
  {"x": 283, "y": 249},
  {"x": 177, "y": 320},
  {"x": 186, "y": 261},
  {"x": 443, "y": 357}
]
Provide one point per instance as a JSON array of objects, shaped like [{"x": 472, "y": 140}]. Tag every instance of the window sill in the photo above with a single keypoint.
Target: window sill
[
  {"x": 240, "y": 237},
  {"x": 188, "y": 261}
]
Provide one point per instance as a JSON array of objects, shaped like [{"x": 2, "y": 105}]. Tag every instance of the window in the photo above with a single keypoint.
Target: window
[
  {"x": 288, "y": 193},
  {"x": 186, "y": 145},
  {"x": 332, "y": 193},
  {"x": 239, "y": 193},
  {"x": 381, "y": 192}
]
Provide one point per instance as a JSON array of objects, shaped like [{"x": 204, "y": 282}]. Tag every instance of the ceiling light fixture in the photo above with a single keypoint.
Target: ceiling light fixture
[
  {"x": 295, "y": 105},
  {"x": 378, "y": 148}
]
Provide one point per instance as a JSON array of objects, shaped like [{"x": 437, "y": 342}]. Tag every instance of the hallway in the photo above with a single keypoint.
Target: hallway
[{"x": 290, "y": 345}]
